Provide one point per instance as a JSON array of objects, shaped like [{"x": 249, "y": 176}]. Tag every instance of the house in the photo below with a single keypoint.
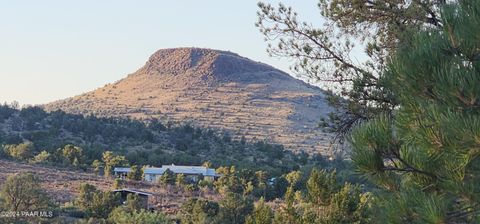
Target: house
[
  {"x": 142, "y": 196},
  {"x": 152, "y": 174},
  {"x": 192, "y": 173},
  {"x": 121, "y": 172}
]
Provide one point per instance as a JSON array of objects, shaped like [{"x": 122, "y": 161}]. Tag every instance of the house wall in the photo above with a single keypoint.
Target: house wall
[
  {"x": 151, "y": 177},
  {"x": 209, "y": 178},
  {"x": 121, "y": 175},
  {"x": 190, "y": 177}
]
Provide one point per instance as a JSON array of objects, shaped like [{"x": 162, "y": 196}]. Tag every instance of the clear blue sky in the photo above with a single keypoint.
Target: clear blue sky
[{"x": 51, "y": 50}]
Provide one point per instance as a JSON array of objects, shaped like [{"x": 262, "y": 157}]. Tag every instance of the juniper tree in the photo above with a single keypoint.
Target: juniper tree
[
  {"x": 70, "y": 153},
  {"x": 42, "y": 157},
  {"x": 22, "y": 192},
  {"x": 425, "y": 155},
  {"x": 21, "y": 151}
]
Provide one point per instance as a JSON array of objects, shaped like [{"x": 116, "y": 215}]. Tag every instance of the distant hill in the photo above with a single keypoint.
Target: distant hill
[{"x": 215, "y": 89}]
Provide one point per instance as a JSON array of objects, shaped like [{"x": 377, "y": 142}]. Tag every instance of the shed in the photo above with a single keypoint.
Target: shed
[{"x": 142, "y": 195}]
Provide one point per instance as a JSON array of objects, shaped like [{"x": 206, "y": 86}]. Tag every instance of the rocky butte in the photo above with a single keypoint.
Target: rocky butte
[{"x": 214, "y": 89}]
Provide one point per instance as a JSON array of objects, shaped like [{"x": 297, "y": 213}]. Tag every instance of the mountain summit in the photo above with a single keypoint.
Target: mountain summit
[
  {"x": 207, "y": 66},
  {"x": 181, "y": 60},
  {"x": 215, "y": 89}
]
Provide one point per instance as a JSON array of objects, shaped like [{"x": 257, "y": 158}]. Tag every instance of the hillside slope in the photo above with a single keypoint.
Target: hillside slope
[
  {"x": 142, "y": 143},
  {"x": 214, "y": 89}
]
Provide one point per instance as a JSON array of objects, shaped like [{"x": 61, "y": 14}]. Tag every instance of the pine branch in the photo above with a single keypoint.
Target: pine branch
[
  {"x": 464, "y": 212},
  {"x": 408, "y": 168}
]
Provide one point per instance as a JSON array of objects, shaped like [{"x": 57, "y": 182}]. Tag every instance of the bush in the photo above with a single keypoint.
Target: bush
[
  {"x": 42, "y": 157},
  {"x": 21, "y": 151},
  {"x": 121, "y": 215}
]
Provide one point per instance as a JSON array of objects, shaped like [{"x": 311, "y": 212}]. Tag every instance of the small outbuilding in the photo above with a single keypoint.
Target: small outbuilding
[
  {"x": 121, "y": 172},
  {"x": 142, "y": 196}
]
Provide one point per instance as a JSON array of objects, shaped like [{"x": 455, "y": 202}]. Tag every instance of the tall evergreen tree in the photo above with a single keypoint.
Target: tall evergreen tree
[
  {"x": 324, "y": 53},
  {"x": 262, "y": 214},
  {"x": 135, "y": 173},
  {"x": 320, "y": 186},
  {"x": 425, "y": 155},
  {"x": 167, "y": 178},
  {"x": 198, "y": 211},
  {"x": 234, "y": 208},
  {"x": 110, "y": 161}
]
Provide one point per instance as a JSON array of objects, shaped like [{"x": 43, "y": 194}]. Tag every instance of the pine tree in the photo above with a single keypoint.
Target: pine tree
[
  {"x": 135, "y": 173},
  {"x": 167, "y": 178},
  {"x": 198, "y": 211},
  {"x": 85, "y": 195},
  {"x": 110, "y": 161},
  {"x": 234, "y": 208},
  {"x": 133, "y": 203},
  {"x": 71, "y": 153},
  {"x": 180, "y": 180},
  {"x": 320, "y": 186},
  {"x": 425, "y": 156},
  {"x": 117, "y": 184},
  {"x": 323, "y": 54},
  {"x": 262, "y": 214},
  {"x": 96, "y": 165},
  {"x": 288, "y": 213}
]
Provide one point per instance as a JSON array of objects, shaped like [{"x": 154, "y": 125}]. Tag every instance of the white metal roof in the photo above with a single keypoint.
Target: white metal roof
[
  {"x": 175, "y": 169},
  {"x": 153, "y": 170},
  {"x": 181, "y": 170},
  {"x": 121, "y": 169}
]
